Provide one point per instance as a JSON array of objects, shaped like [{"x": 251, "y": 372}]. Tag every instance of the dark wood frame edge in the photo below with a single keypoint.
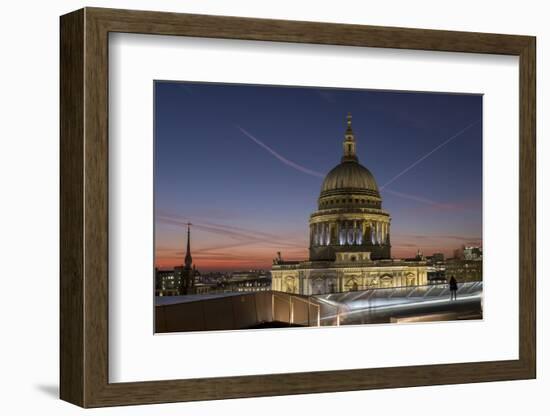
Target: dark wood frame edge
[{"x": 84, "y": 207}]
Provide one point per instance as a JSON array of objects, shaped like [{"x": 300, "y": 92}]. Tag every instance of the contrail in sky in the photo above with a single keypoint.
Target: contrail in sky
[
  {"x": 435, "y": 149},
  {"x": 237, "y": 233},
  {"x": 322, "y": 175},
  {"x": 280, "y": 157},
  {"x": 420, "y": 199}
]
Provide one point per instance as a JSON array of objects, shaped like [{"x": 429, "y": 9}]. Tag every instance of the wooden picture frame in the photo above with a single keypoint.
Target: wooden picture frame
[{"x": 84, "y": 207}]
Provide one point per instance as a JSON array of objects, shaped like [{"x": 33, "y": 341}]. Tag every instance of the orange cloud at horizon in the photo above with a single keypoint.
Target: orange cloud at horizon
[{"x": 261, "y": 257}]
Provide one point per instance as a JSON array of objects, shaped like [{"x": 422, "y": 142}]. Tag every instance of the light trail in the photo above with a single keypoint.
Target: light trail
[{"x": 406, "y": 305}]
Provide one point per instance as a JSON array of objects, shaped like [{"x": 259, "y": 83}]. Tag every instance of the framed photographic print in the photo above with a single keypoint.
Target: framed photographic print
[{"x": 335, "y": 207}]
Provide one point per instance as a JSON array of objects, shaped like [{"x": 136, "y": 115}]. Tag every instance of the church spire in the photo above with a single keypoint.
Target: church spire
[
  {"x": 188, "y": 258},
  {"x": 349, "y": 143}
]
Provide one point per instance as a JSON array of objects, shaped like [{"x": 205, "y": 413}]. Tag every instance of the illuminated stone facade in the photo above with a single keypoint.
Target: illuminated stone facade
[{"x": 350, "y": 245}]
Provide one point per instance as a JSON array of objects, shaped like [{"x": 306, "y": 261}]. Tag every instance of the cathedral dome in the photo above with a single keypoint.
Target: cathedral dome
[
  {"x": 349, "y": 175},
  {"x": 349, "y": 218}
]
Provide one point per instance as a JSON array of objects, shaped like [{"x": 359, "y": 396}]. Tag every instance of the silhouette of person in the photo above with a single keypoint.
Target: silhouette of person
[{"x": 453, "y": 287}]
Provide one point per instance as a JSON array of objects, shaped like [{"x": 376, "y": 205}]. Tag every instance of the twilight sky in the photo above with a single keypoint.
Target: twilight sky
[{"x": 245, "y": 164}]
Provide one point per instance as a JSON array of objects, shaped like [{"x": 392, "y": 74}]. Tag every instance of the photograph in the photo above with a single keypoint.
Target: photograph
[{"x": 294, "y": 207}]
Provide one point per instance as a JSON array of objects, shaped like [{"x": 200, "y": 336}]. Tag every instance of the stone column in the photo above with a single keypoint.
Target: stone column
[
  {"x": 317, "y": 234},
  {"x": 346, "y": 232},
  {"x": 369, "y": 232}
]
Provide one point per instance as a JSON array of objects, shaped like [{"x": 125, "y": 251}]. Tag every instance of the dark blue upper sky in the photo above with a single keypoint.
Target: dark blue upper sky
[{"x": 234, "y": 185}]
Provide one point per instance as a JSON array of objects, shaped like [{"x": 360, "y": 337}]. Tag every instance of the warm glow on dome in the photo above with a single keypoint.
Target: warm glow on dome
[{"x": 349, "y": 175}]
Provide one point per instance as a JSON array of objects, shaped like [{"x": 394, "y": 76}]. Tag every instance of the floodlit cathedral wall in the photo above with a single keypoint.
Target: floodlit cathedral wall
[{"x": 314, "y": 281}]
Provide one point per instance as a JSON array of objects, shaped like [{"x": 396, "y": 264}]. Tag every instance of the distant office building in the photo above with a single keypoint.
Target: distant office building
[
  {"x": 464, "y": 270},
  {"x": 436, "y": 268},
  {"x": 438, "y": 258},
  {"x": 166, "y": 283},
  {"x": 473, "y": 253},
  {"x": 458, "y": 253},
  {"x": 204, "y": 288},
  {"x": 436, "y": 274},
  {"x": 249, "y": 281},
  {"x": 180, "y": 272}
]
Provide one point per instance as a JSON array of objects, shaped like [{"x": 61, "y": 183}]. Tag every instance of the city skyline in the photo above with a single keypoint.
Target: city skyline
[{"x": 245, "y": 164}]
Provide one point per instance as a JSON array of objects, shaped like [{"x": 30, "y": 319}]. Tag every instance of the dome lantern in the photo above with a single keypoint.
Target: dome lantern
[
  {"x": 349, "y": 175},
  {"x": 349, "y": 144}
]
